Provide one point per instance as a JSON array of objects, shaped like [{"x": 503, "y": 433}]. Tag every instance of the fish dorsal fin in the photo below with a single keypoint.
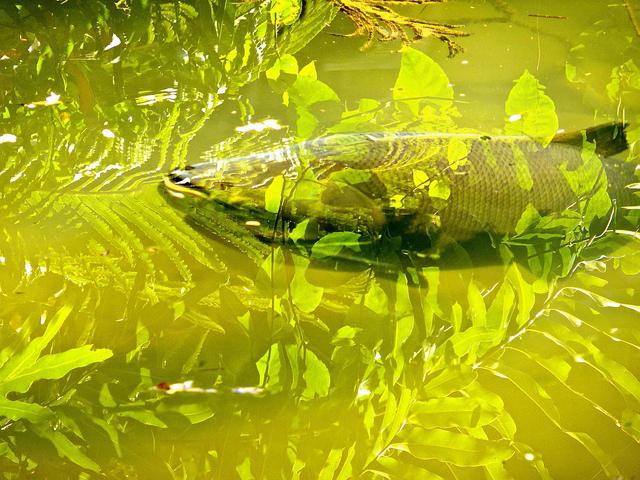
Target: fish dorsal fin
[{"x": 609, "y": 138}]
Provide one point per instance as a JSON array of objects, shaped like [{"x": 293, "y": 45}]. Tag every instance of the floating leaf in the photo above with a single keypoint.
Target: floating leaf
[
  {"x": 316, "y": 376},
  {"x": 530, "y": 111},
  {"x": 420, "y": 179},
  {"x": 305, "y": 92},
  {"x": 439, "y": 188},
  {"x": 421, "y": 80},
  {"x": 285, "y": 63},
  {"x": 285, "y": 11},
  {"x": 457, "y": 153}
]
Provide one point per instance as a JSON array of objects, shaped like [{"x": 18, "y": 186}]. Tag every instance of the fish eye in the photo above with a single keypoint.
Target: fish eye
[
  {"x": 178, "y": 177},
  {"x": 179, "y": 182}
]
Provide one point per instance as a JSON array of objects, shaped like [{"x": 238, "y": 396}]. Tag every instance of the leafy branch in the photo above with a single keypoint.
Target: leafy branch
[{"x": 375, "y": 19}]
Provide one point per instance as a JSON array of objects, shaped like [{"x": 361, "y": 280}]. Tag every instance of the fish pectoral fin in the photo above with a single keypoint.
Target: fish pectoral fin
[
  {"x": 360, "y": 187},
  {"x": 348, "y": 197}
]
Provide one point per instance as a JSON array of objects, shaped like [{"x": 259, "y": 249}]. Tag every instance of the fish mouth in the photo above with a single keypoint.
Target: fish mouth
[{"x": 178, "y": 184}]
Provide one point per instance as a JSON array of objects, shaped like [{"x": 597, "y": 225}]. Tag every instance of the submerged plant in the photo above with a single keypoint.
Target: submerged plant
[
  {"x": 377, "y": 19},
  {"x": 138, "y": 340}
]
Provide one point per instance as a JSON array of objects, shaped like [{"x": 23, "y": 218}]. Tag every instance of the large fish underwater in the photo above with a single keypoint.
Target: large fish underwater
[{"x": 424, "y": 190}]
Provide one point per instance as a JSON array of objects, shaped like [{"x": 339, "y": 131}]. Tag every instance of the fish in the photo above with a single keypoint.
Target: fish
[{"x": 424, "y": 188}]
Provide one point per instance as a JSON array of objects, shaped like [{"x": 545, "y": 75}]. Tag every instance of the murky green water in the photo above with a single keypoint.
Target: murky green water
[{"x": 141, "y": 338}]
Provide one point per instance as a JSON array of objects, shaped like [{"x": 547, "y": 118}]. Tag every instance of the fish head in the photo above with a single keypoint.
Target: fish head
[
  {"x": 237, "y": 182},
  {"x": 196, "y": 181}
]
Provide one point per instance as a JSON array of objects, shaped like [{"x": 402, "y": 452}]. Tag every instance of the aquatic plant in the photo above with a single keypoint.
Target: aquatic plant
[
  {"x": 376, "y": 19},
  {"x": 135, "y": 341}
]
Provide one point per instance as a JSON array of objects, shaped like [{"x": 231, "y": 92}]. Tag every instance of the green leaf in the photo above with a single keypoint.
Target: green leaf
[
  {"x": 316, "y": 376},
  {"x": 244, "y": 469},
  {"x": 589, "y": 183},
  {"x": 457, "y": 153},
  {"x": 525, "y": 292},
  {"x": 105, "y": 398},
  {"x": 499, "y": 312},
  {"x": 455, "y": 448},
  {"x": 54, "y": 366},
  {"x": 449, "y": 380},
  {"x": 66, "y": 448},
  {"x": 361, "y": 119},
  {"x": 605, "y": 459},
  {"x": 529, "y": 217},
  {"x": 468, "y": 340},
  {"x": 395, "y": 416},
  {"x": 332, "y": 244},
  {"x": 523, "y": 174},
  {"x": 307, "y": 90},
  {"x": 194, "y": 412},
  {"x": 394, "y": 468},
  {"x": 529, "y": 111},
  {"x": 306, "y": 124},
  {"x": 17, "y": 410},
  {"x": 421, "y": 79},
  {"x": 285, "y": 12},
  {"x": 27, "y": 358},
  {"x": 269, "y": 368},
  {"x": 420, "y": 179},
  {"x": 331, "y": 464},
  {"x": 286, "y": 63},
  {"x": 299, "y": 231},
  {"x": 145, "y": 417},
  {"x": 439, "y": 189},
  {"x": 531, "y": 388},
  {"x": 477, "y": 308},
  {"x": 272, "y": 276},
  {"x": 304, "y": 295},
  {"x": 309, "y": 70},
  {"x": 111, "y": 431},
  {"x": 376, "y": 299},
  {"x": 274, "y": 194}
]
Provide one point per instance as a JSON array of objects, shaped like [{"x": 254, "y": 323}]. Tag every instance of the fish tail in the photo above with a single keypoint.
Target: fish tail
[{"x": 610, "y": 138}]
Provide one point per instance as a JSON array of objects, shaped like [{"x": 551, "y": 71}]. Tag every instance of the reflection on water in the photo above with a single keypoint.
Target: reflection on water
[{"x": 146, "y": 336}]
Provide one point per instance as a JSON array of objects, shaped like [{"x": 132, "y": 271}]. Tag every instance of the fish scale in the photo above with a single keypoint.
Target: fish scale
[
  {"x": 366, "y": 181},
  {"x": 489, "y": 198}
]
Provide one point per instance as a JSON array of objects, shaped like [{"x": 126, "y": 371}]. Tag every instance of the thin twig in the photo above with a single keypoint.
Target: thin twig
[
  {"x": 558, "y": 17},
  {"x": 632, "y": 17}
]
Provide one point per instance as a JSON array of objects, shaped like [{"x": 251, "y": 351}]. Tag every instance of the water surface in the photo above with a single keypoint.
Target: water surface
[{"x": 138, "y": 343}]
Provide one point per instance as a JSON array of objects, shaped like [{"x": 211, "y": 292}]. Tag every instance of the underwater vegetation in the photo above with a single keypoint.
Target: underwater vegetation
[{"x": 282, "y": 333}]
